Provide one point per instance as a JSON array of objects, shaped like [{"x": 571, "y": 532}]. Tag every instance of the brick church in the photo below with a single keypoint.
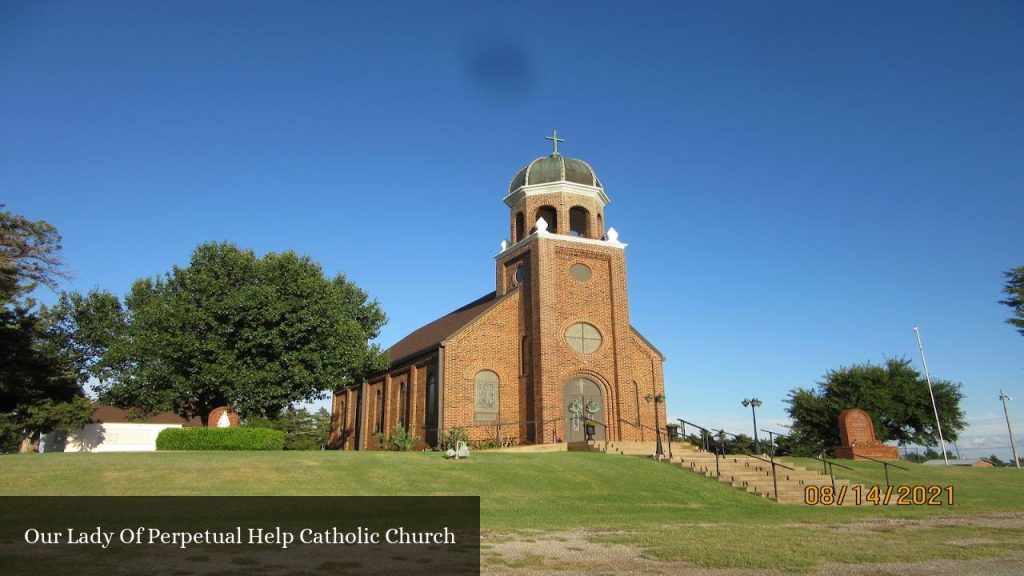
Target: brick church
[{"x": 549, "y": 356}]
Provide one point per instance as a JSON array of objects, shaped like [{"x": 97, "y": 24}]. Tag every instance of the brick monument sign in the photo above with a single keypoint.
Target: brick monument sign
[
  {"x": 222, "y": 417},
  {"x": 857, "y": 437}
]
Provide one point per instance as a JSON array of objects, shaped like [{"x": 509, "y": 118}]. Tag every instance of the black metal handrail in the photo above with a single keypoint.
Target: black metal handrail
[
  {"x": 885, "y": 466},
  {"x": 772, "y": 435},
  {"x": 499, "y": 426},
  {"x": 827, "y": 467},
  {"x": 775, "y": 480},
  {"x": 705, "y": 433}
]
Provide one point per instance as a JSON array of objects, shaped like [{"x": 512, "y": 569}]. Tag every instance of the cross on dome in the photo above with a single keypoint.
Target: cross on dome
[{"x": 554, "y": 141}]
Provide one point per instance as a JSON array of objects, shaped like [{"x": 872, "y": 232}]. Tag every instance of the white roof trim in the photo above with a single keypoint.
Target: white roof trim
[
  {"x": 557, "y": 187},
  {"x": 589, "y": 241}
]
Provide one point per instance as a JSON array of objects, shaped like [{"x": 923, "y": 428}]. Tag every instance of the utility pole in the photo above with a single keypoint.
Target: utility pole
[
  {"x": 928, "y": 377},
  {"x": 1013, "y": 443}
]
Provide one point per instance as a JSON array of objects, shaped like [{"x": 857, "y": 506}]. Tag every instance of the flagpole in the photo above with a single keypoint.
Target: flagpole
[{"x": 928, "y": 377}]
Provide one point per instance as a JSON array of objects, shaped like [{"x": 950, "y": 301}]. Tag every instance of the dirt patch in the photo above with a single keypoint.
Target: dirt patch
[
  {"x": 1011, "y": 520},
  {"x": 572, "y": 552}
]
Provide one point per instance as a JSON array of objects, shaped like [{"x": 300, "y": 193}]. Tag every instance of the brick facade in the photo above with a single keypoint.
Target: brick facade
[{"x": 519, "y": 333}]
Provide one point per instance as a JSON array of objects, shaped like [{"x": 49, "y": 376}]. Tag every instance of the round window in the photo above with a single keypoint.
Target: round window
[
  {"x": 520, "y": 274},
  {"x": 583, "y": 337},
  {"x": 580, "y": 272}
]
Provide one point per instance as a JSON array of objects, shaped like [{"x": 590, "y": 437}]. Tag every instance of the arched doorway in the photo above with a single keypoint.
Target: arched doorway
[{"x": 583, "y": 406}]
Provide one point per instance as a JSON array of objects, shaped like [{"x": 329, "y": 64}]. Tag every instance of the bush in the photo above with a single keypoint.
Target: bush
[
  {"x": 10, "y": 435},
  {"x": 450, "y": 438},
  {"x": 220, "y": 439},
  {"x": 400, "y": 440},
  {"x": 303, "y": 430}
]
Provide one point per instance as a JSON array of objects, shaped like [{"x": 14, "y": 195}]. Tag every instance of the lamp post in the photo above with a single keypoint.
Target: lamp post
[
  {"x": 754, "y": 404},
  {"x": 1013, "y": 443},
  {"x": 657, "y": 399}
]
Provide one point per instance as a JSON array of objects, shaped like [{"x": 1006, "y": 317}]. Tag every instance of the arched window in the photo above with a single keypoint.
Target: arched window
[
  {"x": 550, "y": 215},
  {"x": 486, "y": 396},
  {"x": 600, "y": 227},
  {"x": 579, "y": 222},
  {"x": 523, "y": 357},
  {"x": 430, "y": 411},
  {"x": 520, "y": 226},
  {"x": 378, "y": 425},
  {"x": 403, "y": 405},
  {"x": 342, "y": 415},
  {"x": 636, "y": 395}
]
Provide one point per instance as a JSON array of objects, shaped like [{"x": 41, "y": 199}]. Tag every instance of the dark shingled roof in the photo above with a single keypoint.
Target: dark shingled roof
[
  {"x": 429, "y": 336},
  {"x": 103, "y": 413}
]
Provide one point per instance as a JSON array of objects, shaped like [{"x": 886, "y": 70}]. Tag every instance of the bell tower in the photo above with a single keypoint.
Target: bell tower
[{"x": 576, "y": 346}]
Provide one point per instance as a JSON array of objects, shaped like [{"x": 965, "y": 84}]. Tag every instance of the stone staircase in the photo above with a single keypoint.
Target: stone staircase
[{"x": 745, "y": 473}]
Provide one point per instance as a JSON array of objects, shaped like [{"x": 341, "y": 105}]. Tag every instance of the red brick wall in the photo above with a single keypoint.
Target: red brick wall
[
  {"x": 489, "y": 343},
  {"x": 540, "y": 309}
]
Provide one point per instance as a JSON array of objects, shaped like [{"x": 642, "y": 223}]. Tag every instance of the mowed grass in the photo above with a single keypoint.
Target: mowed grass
[{"x": 670, "y": 513}]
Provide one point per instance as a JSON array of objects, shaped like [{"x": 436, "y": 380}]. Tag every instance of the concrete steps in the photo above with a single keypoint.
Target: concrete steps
[{"x": 745, "y": 473}]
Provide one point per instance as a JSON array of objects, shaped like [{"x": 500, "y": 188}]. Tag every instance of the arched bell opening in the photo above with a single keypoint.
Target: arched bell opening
[
  {"x": 579, "y": 222},
  {"x": 550, "y": 215}
]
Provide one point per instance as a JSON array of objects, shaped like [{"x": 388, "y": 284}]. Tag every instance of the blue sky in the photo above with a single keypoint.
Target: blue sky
[{"x": 799, "y": 183}]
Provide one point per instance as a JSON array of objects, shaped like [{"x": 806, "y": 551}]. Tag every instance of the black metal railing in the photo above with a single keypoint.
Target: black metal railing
[
  {"x": 506, "y": 433},
  {"x": 714, "y": 441},
  {"x": 775, "y": 480},
  {"x": 885, "y": 467},
  {"x": 827, "y": 467},
  {"x": 705, "y": 434}
]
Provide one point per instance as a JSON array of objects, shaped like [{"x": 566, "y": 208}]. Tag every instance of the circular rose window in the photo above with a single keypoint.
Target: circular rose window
[
  {"x": 580, "y": 272},
  {"x": 583, "y": 338},
  {"x": 520, "y": 275}
]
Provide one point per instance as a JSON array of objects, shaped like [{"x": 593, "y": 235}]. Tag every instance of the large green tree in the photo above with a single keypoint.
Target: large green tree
[
  {"x": 894, "y": 394},
  {"x": 39, "y": 390},
  {"x": 254, "y": 333},
  {"x": 1014, "y": 290}
]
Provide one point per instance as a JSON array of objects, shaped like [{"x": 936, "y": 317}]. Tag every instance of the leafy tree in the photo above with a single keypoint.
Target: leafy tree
[
  {"x": 996, "y": 461},
  {"x": 256, "y": 334},
  {"x": 895, "y": 395},
  {"x": 29, "y": 256},
  {"x": 1014, "y": 290},
  {"x": 38, "y": 388},
  {"x": 85, "y": 328},
  {"x": 304, "y": 430}
]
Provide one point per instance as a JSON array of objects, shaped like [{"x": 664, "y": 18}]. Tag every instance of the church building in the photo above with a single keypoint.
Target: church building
[{"x": 548, "y": 357}]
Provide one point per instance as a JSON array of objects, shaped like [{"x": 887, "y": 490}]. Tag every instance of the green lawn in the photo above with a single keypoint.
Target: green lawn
[{"x": 669, "y": 512}]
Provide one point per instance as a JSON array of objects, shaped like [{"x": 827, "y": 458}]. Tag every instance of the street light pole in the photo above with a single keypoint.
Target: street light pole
[
  {"x": 754, "y": 403},
  {"x": 928, "y": 377},
  {"x": 1013, "y": 443},
  {"x": 659, "y": 453}
]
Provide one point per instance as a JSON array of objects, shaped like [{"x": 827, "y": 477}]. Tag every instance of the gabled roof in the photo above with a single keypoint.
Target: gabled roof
[
  {"x": 646, "y": 341},
  {"x": 431, "y": 335},
  {"x": 103, "y": 413}
]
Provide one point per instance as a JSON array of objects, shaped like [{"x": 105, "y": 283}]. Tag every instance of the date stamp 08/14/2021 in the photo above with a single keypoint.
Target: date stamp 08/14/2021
[{"x": 899, "y": 495}]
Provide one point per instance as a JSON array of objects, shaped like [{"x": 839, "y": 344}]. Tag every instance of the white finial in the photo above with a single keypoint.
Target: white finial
[
  {"x": 613, "y": 235},
  {"x": 504, "y": 245},
  {"x": 542, "y": 225}
]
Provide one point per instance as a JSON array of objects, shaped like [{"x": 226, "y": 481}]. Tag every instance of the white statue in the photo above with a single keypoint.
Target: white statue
[{"x": 224, "y": 421}]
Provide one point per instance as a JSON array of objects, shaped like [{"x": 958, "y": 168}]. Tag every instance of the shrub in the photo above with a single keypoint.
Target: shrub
[
  {"x": 400, "y": 440},
  {"x": 303, "y": 430},
  {"x": 220, "y": 439},
  {"x": 451, "y": 437}
]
